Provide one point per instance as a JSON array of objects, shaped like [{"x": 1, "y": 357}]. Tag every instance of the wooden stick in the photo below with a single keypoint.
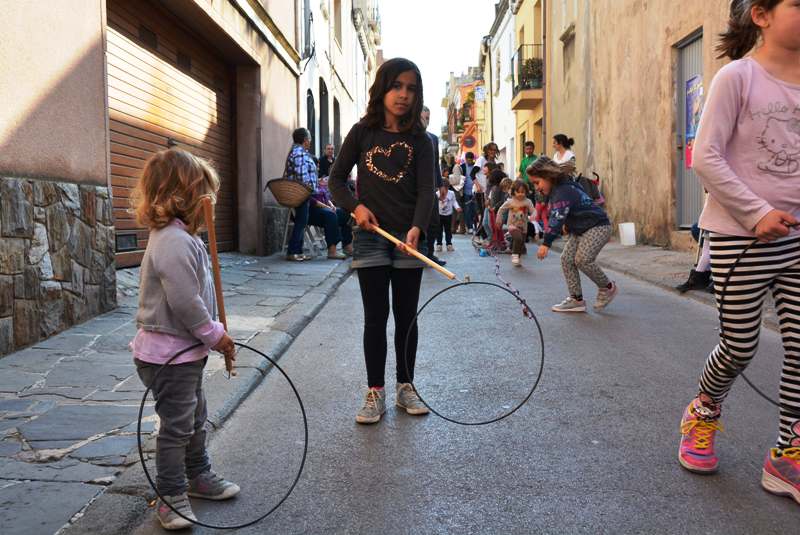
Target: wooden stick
[
  {"x": 208, "y": 210},
  {"x": 449, "y": 274}
]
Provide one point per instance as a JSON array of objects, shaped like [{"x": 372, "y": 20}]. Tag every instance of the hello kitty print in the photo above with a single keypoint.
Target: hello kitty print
[{"x": 780, "y": 140}]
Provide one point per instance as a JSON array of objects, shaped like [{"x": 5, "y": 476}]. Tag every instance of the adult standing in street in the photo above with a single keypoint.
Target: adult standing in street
[
  {"x": 395, "y": 185},
  {"x": 433, "y": 227},
  {"x": 530, "y": 157},
  {"x": 326, "y": 161},
  {"x": 562, "y": 145},
  {"x": 480, "y": 180},
  {"x": 470, "y": 211},
  {"x": 456, "y": 180},
  {"x": 301, "y": 168}
]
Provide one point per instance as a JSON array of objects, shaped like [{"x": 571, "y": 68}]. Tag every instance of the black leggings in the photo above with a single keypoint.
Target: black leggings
[
  {"x": 446, "y": 229},
  {"x": 375, "y": 283}
]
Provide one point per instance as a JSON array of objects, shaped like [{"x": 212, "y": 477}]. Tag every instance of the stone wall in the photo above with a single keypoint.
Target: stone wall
[
  {"x": 56, "y": 258},
  {"x": 613, "y": 88}
]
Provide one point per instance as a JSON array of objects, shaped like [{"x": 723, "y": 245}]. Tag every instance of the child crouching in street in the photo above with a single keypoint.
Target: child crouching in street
[
  {"x": 519, "y": 208},
  {"x": 176, "y": 310},
  {"x": 587, "y": 226}
]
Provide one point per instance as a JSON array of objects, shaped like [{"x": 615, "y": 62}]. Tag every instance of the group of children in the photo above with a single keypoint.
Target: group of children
[
  {"x": 510, "y": 215},
  {"x": 754, "y": 193}
]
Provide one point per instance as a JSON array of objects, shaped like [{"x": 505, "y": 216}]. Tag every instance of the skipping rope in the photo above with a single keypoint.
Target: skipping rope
[
  {"x": 723, "y": 335},
  {"x": 299, "y": 470},
  {"x": 526, "y": 312}
]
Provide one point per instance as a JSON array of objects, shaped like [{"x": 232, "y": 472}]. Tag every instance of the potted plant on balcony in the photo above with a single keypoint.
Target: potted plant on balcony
[{"x": 532, "y": 73}]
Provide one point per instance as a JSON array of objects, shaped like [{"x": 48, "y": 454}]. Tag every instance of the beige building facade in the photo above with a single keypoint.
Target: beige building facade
[
  {"x": 620, "y": 76},
  {"x": 93, "y": 88}
]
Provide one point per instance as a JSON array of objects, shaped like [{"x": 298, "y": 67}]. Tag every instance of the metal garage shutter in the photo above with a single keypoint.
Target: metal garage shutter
[{"x": 165, "y": 87}]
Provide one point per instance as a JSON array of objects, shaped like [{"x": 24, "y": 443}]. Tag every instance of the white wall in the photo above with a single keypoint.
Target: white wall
[{"x": 504, "y": 122}]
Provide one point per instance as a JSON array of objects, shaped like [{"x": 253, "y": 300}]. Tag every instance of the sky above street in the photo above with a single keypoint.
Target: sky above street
[{"x": 439, "y": 36}]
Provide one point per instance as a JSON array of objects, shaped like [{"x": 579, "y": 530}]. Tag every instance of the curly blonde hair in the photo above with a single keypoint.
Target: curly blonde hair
[
  {"x": 551, "y": 171},
  {"x": 173, "y": 185}
]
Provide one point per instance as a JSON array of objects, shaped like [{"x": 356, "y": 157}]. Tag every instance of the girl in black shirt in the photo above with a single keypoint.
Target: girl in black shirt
[{"x": 395, "y": 190}]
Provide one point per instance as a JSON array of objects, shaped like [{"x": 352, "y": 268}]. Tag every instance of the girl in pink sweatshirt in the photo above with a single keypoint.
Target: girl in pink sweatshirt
[
  {"x": 176, "y": 312},
  {"x": 747, "y": 155}
]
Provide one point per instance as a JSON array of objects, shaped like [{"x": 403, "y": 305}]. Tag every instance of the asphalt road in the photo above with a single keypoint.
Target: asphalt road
[{"x": 594, "y": 451}]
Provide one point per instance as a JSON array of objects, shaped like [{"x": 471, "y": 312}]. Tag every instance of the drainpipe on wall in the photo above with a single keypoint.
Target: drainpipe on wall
[
  {"x": 487, "y": 39},
  {"x": 544, "y": 70}
]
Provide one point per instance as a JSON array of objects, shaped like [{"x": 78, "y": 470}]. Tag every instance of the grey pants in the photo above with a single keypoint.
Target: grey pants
[
  {"x": 580, "y": 253},
  {"x": 181, "y": 405}
]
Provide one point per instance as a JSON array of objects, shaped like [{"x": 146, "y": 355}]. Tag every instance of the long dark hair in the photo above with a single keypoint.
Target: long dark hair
[
  {"x": 549, "y": 170},
  {"x": 742, "y": 33},
  {"x": 564, "y": 141},
  {"x": 384, "y": 78},
  {"x": 490, "y": 145}
]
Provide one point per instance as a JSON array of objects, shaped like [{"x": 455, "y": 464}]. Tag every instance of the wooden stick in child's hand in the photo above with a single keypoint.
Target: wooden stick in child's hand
[
  {"x": 413, "y": 252},
  {"x": 208, "y": 210}
]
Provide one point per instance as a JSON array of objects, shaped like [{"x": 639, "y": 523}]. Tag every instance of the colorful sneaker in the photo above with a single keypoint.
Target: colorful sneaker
[
  {"x": 781, "y": 473},
  {"x": 408, "y": 399},
  {"x": 699, "y": 425},
  {"x": 209, "y": 486},
  {"x": 605, "y": 296},
  {"x": 450, "y": 248},
  {"x": 374, "y": 406},
  {"x": 570, "y": 304},
  {"x": 168, "y": 518},
  {"x": 515, "y": 260}
]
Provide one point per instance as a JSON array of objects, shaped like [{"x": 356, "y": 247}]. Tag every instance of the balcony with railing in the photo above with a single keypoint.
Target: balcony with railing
[{"x": 527, "y": 77}]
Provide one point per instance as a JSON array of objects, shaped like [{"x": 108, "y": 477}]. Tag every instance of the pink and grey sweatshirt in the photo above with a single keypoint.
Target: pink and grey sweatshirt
[
  {"x": 747, "y": 150},
  {"x": 176, "y": 298}
]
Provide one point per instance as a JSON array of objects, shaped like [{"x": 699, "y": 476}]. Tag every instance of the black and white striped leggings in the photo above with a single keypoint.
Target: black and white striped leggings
[{"x": 771, "y": 266}]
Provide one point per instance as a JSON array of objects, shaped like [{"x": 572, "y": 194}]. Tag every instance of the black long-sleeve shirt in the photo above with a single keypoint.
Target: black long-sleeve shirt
[{"x": 395, "y": 176}]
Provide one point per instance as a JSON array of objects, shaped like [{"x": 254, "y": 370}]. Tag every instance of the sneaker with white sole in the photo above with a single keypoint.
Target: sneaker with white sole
[
  {"x": 605, "y": 296},
  {"x": 408, "y": 399},
  {"x": 210, "y": 486},
  {"x": 450, "y": 248},
  {"x": 570, "y": 304},
  {"x": 438, "y": 247},
  {"x": 169, "y": 519},
  {"x": 781, "y": 473},
  {"x": 373, "y": 408},
  {"x": 515, "y": 260}
]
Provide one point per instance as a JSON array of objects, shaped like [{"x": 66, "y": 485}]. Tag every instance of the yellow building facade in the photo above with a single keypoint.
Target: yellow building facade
[
  {"x": 527, "y": 71},
  {"x": 620, "y": 77}
]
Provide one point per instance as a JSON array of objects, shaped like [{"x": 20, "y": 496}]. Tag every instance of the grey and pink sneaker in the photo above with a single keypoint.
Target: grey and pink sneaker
[
  {"x": 210, "y": 486},
  {"x": 699, "y": 427},
  {"x": 169, "y": 519},
  {"x": 781, "y": 474}
]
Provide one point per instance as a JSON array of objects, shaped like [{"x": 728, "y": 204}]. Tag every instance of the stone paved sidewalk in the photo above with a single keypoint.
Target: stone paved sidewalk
[{"x": 68, "y": 404}]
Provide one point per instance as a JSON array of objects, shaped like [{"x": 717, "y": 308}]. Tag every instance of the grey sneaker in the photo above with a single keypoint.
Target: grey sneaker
[
  {"x": 605, "y": 296},
  {"x": 570, "y": 304},
  {"x": 210, "y": 486},
  {"x": 450, "y": 248},
  {"x": 374, "y": 407},
  {"x": 168, "y": 518},
  {"x": 408, "y": 399}
]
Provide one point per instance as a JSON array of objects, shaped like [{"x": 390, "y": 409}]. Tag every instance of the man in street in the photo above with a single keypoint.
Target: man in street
[
  {"x": 433, "y": 227},
  {"x": 326, "y": 162},
  {"x": 529, "y": 158},
  {"x": 300, "y": 167}
]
